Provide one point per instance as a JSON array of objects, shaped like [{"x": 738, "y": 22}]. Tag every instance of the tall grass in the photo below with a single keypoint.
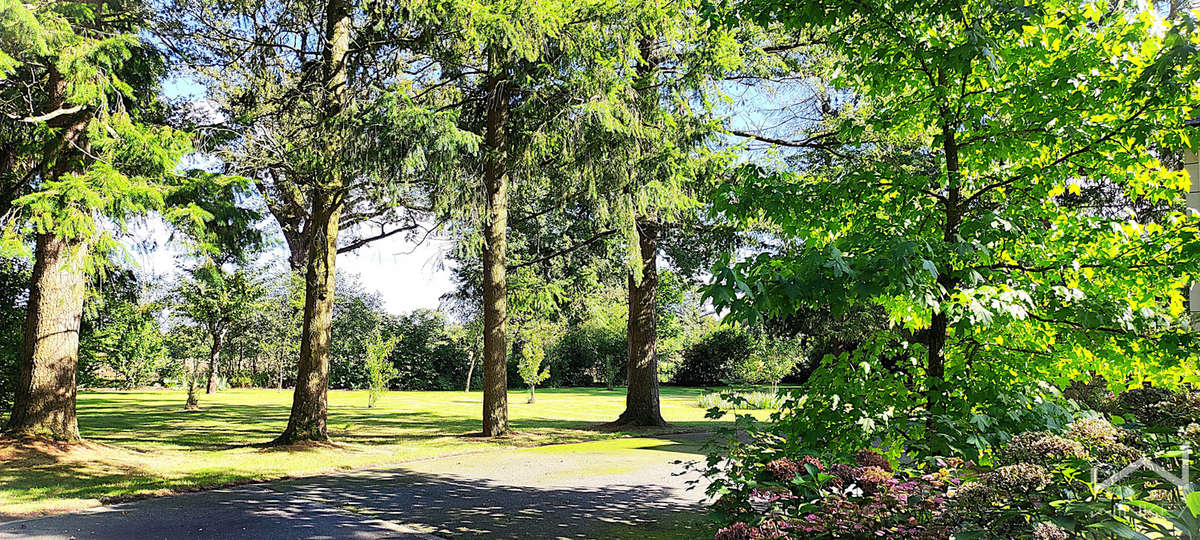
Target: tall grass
[{"x": 728, "y": 401}]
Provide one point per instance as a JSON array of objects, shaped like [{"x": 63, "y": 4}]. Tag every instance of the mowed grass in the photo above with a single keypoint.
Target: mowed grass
[{"x": 143, "y": 443}]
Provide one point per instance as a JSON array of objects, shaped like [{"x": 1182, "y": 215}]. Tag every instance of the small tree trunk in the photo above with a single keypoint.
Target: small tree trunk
[
  {"x": 953, "y": 212},
  {"x": 218, "y": 339},
  {"x": 44, "y": 403},
  {"x": 641, "y": 399},
  {"x": 531, "y": 393},
  {"x": 192, "y": 404},
  {"x": 470, "y": 370},
  {"x": 495, "y": 288}
]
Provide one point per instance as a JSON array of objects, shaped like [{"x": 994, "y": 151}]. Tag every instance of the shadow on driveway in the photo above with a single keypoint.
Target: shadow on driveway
[{"x": 623, "y": 488}]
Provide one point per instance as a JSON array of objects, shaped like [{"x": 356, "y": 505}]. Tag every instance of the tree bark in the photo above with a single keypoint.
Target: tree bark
[
  {"x": 495, "y": 287},
  {"x": 44, "y": 404},
  {"x": 310, "y": 400},
  {"x": 642, "y": 406},
  {"x": 218, "y": 338},
  {"x": 44, "y": 399}
]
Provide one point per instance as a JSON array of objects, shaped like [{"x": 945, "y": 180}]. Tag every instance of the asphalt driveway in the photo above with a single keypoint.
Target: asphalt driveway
[{"x": 625, "y": 488}]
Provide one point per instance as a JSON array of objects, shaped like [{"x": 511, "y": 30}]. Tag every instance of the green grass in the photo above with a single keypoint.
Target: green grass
[{"x": 143, "y": 442}]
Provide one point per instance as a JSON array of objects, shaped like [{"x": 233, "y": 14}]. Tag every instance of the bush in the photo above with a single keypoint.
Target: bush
[
  {"x": 587, "y": 355},
  {"x": 241, "y": 381},
  {"x": 768, "y": 362},
  {"x": 802, "y": 497},
  {"x": 14, "y": 287},
  {"x": 708, "y": 362},
  {"x": 428, "y": 358}
]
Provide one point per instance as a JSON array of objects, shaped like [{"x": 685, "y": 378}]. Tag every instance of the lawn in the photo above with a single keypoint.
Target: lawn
[{"x": 143, "y": 443}]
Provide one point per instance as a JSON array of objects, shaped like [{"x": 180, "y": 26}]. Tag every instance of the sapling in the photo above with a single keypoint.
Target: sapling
[
  {"x": 380, "y": 369},
  {"x": 531, "y": 362}
]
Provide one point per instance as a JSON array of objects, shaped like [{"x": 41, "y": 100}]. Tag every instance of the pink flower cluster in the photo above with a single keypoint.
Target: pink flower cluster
[
  {"x": 866, "y": 498},
  {"x": 743, "y": 531}
]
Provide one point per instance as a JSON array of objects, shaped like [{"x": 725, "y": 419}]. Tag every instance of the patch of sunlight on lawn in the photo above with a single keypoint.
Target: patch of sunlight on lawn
[{"x": 143, "y": 443}]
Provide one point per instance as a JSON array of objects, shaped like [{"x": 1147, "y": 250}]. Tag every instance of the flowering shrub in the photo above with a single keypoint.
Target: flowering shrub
[
  {"x": 783, "y": 469},
  {"x": 1093, "y": 431},
  {"x": 1044, "y": 448},
  {"x": 1093, "y": 394},
  {"x": 1036, "y": 485},
  {"x": 1018, "y": 479},
  {"x": 1049, "y": 531},
  {"x": 802, "y": 497},
  {"x": 871, "y": 458},
  {"x": 1157, "y": 406}
]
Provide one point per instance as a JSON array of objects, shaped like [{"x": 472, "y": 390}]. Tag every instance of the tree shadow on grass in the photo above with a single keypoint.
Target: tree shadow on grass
[{"x": 230, "y": 426}]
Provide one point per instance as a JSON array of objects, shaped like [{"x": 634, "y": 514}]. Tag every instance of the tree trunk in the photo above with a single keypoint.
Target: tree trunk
[
  {"x": 192, "y": 404},
  {"x": 218, "y": 338},
  {"x": 309, "y": 402},
  {"x": 532, "y": 395},
  {"x": 495, "y": 287},
  {"x": 939, "y": 326},
  {"x": 470, "y": 370},
  {"x": 641, "y": 399},
  {"x": 44, "y": 404}
]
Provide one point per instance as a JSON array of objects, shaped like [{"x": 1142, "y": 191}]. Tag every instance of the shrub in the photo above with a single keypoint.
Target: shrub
[
  {"x": 707, "y": 363},
  {"x": 1107, "y": 443},
  {"x": 1017, "y": 479},
  {"x": 1149, "y": 404},
  {"x": 1042, "y": 448},
  {"x": 14, "y": 284},
  {"x": 1093, "y": 394},
  {"x": 796, "y": 498},
  {"x": 240, "y": 381},
  {"x": 768, "y": 361},
  {"x": 587, "y": 355}
]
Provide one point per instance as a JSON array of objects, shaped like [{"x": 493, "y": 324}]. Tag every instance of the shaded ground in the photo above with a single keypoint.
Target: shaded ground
[
  {"x": 624, "y": 488},
  {"x": 146, "y": 444}
]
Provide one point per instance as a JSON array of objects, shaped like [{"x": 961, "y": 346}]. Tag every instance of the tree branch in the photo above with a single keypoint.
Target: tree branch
[{"x": 565, "y": 251}]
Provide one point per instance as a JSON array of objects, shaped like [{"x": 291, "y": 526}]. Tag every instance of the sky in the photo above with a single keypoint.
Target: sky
[{"x": 407, "y": 275}]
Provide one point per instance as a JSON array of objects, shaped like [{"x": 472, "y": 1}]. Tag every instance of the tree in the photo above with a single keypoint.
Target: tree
[
  {"x": 664, "y": 169},
  {"x": 533, "y": 354},
  {"x": 379, "y": 366},
  {"x": 520, "y": 70},
  {"x": 320, "y": 110},
  {"x": 936, "y": 191},
  {"x": 78, "y": 92},
  {"x": 216, "y": 299},
  {"x": 130, "y": 342}
]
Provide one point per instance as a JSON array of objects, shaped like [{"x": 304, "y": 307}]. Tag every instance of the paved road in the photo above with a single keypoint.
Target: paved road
[{"x": 627, "y": 488}]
